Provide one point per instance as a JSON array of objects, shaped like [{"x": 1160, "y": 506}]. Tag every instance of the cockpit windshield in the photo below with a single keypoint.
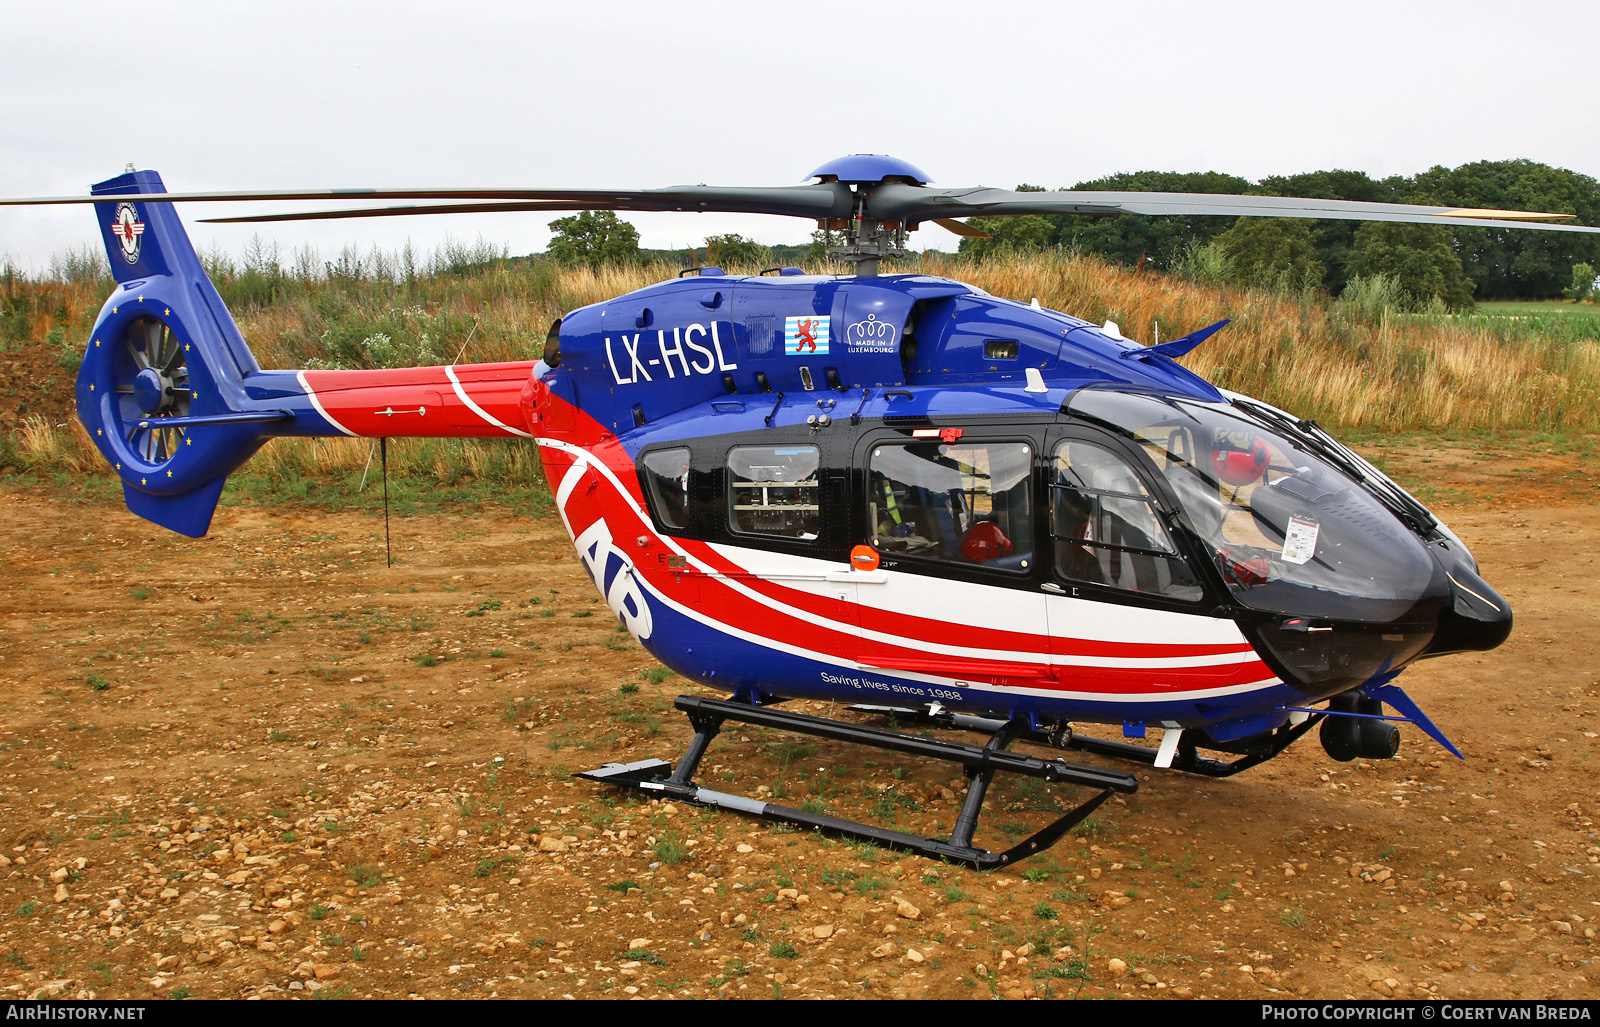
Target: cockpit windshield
[{"x": 1289, "y": 531}]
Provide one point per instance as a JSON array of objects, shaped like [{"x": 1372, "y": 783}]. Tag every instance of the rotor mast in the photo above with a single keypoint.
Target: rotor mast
[{"x": 866, "y": 239}]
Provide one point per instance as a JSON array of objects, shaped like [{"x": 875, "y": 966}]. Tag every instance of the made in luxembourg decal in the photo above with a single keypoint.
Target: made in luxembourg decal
[
  {"x": 805, "y": 336},
  {"x": 870, "y": 336}
]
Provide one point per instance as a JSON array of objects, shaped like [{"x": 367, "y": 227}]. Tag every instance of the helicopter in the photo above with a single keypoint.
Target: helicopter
[{"x": 894, "y": 491}]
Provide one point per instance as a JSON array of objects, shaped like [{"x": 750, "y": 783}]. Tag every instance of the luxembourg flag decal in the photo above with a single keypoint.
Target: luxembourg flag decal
[{"x": 805, "y": 336}]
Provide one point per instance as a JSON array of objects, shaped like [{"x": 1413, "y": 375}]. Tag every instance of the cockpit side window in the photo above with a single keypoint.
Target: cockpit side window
[
  {"x": 968, "y": 503},
  {"x": 666, "y": 479},
  {"x": 1106, "y": 528}
]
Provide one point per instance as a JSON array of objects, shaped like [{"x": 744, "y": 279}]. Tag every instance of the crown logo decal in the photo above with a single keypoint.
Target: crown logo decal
[{"x": 871, "y": 336}]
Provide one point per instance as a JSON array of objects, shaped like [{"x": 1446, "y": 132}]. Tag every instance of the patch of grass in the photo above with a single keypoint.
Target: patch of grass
[
  {"x": 486, "y": 867},
  {"x": 1091, "y": 826},
  {"x": 670, "y": 850},
  {"x": 365, "y": 876},
  {"x": 871, "y": 886},
  {"x": 426, "y": 660},
  {"x": 644, "y": 956},
  {"x": 783, "y": 950}
]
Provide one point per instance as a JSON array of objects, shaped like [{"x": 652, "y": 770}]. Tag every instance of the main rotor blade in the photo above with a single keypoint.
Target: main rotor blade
[
  {"x": 818, "y": 201},
  {"x": 895, "y": 201},
  {"x": 398, "y": 211},
  {"x": 961, "y": 228}
]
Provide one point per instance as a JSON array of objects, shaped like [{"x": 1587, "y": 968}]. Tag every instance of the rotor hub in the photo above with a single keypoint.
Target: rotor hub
[{"x": 152, "y": 390}]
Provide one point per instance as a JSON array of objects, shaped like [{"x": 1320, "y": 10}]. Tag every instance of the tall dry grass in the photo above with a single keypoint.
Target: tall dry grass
[
  {"x": 1336, "y": 361},
  {"x": 1349, "y": 364}
]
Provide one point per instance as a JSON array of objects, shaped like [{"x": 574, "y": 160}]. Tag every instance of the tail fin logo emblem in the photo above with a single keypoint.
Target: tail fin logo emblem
[{"x": 128, "y": 228}]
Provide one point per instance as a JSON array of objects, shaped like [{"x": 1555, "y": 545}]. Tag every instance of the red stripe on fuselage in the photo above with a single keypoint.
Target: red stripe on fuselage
[{"x": 421, "y": 402}]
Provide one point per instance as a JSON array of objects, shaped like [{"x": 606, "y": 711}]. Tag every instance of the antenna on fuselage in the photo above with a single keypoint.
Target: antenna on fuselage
[{"x": 383, "y": 447}]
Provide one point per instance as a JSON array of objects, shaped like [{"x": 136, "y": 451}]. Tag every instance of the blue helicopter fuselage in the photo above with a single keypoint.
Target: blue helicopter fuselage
[{"x": 903, "y": 490}]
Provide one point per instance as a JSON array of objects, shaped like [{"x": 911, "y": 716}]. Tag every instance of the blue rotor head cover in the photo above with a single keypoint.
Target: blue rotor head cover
[{"x": 869, "y": 167}]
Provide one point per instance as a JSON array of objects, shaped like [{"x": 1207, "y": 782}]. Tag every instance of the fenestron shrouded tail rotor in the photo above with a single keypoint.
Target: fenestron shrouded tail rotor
[{"x": 156, "y": 387}]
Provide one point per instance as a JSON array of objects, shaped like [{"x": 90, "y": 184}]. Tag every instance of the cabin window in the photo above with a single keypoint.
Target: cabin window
[
  {"x": 774, "y": 491},
  {"x": 967, "y": 502},
  {"x": 1106, "y": 527},
  {"x": 666, "y": 479}
]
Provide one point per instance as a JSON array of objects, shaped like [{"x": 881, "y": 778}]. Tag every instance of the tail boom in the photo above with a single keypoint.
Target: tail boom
[{"x": 453, "y": 401}]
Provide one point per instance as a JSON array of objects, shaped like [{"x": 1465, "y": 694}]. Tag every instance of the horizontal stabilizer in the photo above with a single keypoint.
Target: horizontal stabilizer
[{"x": 1177, "y": 347}]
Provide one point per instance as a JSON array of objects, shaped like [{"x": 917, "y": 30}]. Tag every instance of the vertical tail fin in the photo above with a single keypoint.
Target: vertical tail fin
[{"x": 165, "y": 356}]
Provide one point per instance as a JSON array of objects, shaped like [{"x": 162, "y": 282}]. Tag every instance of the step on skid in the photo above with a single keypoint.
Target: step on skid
[{"x": 979, "y": 763}]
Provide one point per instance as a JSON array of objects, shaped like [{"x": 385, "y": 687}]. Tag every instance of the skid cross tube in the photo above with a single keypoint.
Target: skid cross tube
[
  {"x": 1187, "y": 759},
  {"x": 979, "y": 763}
]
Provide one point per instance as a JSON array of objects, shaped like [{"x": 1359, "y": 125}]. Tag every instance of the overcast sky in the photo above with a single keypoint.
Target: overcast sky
[{"x": 638, "y": 95}]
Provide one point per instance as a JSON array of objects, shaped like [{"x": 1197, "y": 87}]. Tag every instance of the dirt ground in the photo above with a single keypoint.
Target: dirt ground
[{"x": 265, "y": 764}]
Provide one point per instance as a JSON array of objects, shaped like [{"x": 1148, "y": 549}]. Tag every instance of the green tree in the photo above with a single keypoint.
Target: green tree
[
  {"x": 723, "y": 250},
  {"x": 594, "y": 238},
  {"x": 1417, "y": 257},
  {"x": 1507, "y": 262},
  {"x": 821, "y": 239},
  {"x": 1129, "y": 238},
  {"x": 1271, "y": 252},
  {"x": 1333, "y": 239},
  {"x": 1582, "y": 286},
  {"x": 1020, "y": 233}
]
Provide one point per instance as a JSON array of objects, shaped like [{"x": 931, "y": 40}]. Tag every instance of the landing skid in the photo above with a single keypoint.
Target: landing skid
[
  {"x": 979, "y": 763},
  {"x": 1186, "y": 759}
]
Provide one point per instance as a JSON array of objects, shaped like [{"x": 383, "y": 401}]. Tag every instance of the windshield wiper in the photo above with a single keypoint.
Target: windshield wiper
[{"x": 1311, "y": 434}]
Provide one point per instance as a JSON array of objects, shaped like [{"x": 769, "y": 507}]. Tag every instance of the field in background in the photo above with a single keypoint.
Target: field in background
[{"x": 1354, "y": 364}]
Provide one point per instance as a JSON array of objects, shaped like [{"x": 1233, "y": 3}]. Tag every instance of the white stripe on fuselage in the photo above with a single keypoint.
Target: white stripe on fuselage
[
  {"x": 1000, "y": 609},
  {"x": 855, "y": 669},
  {"x": 300, "y": 376},
  {"x": 455, "y": 383}
]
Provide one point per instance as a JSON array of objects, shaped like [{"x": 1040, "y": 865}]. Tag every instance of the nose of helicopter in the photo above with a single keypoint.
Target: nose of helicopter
[{"x": 1478, "y": 618}]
